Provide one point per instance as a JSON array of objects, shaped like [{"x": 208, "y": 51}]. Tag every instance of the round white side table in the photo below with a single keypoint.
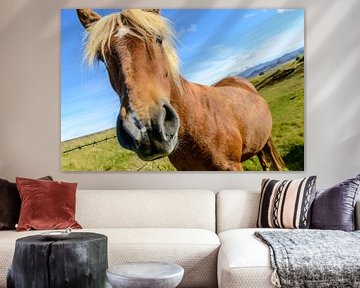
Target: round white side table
[{"x": 145, "y": 275}]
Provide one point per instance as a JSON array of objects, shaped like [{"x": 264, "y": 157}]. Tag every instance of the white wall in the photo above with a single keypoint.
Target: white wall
[{"x": 30, "y": 95}]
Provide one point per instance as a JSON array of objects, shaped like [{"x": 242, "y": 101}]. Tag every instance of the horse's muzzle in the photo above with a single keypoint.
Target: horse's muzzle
[{"x": 155, "y": 139}]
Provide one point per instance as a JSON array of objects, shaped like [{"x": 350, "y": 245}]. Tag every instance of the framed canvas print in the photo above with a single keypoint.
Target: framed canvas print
[{"x": 182, "y": 90}]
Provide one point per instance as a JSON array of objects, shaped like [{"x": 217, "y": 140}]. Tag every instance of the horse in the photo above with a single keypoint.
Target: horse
[{"x": 198, "y": 127}]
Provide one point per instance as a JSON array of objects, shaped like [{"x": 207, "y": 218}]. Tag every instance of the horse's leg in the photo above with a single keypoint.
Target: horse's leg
[
  {"x": 262, "y": 159},
  {"x": 270, "y": 157}
]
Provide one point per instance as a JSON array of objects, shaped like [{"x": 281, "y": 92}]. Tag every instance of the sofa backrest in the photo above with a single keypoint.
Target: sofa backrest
[
  {"x": 236, "y": 209},
  {"x": 239, "y": 209},
  {"x": 146, "y": 209}
]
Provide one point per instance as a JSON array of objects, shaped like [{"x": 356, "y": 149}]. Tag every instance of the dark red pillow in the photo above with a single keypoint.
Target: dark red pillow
[
  {"x": 10, "y": 204},
  {"x": 46, "y": 204}
]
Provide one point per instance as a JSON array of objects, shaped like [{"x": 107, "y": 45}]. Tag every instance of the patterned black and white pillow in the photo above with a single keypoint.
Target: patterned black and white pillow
[{"x": 286, "y": 204}]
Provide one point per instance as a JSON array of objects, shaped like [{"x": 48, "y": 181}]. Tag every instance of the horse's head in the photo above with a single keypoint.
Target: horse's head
[{"x": 136, "y": 47}]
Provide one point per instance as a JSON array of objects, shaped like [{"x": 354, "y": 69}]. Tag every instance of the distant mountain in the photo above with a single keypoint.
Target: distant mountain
[{"x": 263, "y": 67}]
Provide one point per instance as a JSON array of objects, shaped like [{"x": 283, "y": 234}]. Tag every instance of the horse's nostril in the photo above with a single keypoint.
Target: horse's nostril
[
  {"x": 169, "y": 113},
  {"x": 171, "y": 121}
]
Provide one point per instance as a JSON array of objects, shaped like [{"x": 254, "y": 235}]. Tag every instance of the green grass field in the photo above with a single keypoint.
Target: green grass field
[
  {"x": 283, "y": 89},
  {"x": 106, "y": 156}
]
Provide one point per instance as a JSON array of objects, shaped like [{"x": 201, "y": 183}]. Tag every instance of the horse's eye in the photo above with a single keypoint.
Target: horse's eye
[
  {"x": 99, "y": 57},
  {"x": 159, "y": 40}
]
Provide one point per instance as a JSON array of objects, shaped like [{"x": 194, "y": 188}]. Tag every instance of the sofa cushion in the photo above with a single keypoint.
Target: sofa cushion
[
  {"x": 286, "y": 204},
  {"x": 153, "y": 209},
  {"x": 244, "y": 261},
  {"x": 46, "y": 204},
  {"x": 194, "y": 249},
  {"x": 334, "y": 208}
]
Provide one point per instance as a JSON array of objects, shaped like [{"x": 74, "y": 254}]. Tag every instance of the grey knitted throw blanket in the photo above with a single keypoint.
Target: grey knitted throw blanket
[{"x": 313, "y": 258}]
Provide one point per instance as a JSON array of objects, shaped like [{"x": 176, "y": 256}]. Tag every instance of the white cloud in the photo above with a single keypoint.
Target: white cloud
[
  {"x": 230, "y": 60},
  {"x": 249, "y": 15},
  {"x": 98, "y": 119},
  {"x": 211, "y": 71},
  {"x": 280, "y": 11},
  {"x": 92, "y": 108},
  {"x": 192, "y": 28}
]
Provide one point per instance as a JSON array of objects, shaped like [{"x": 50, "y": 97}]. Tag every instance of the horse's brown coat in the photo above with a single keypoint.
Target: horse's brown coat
[{"x": 220, "y": 126}]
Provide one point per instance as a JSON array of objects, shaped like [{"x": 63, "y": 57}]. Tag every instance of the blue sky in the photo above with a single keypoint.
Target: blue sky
[{"x": 212, "y": 44}]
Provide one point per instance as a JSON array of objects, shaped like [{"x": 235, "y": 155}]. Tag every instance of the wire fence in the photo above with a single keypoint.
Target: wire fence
[
  {"x": 79, "y": 147},
  {"x": 141, "y": 166}
]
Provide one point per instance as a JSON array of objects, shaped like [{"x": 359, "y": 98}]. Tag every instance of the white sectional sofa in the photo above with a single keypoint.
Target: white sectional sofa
[
  {"x": 177, "y": 226},
  {"x": 243, "y": 260},
  {"x": 171, "y": 226}
]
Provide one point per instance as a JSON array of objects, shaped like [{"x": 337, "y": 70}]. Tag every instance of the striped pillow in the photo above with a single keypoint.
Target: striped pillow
[{"x": 286, "y": 204}]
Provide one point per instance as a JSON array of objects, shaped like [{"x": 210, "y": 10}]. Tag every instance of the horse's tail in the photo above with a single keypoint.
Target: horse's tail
[{"x": 269, "y": 158}]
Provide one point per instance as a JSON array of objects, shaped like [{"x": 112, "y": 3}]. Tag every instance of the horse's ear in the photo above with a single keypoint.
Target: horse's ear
[
  {"x": 87, "y": 17},
  {"x": 156, "y": 11}
]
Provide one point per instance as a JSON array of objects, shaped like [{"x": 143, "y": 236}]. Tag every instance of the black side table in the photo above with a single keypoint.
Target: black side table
[{"x": 79, "y": 261}]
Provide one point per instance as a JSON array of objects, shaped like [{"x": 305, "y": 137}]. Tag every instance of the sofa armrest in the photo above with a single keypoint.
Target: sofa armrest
[{"x": 357, "y": 215}]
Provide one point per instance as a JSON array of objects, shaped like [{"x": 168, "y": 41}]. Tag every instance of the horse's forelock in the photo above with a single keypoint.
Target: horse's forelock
[
  {"x": 98, "y": 36},
  {"x": 142, "y": 24}
]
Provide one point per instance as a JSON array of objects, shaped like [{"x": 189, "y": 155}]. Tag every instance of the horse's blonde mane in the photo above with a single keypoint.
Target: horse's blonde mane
[{"x": 142, "y": 24}]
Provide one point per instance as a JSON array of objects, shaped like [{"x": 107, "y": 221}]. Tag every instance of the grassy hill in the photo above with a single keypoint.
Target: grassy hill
[
  {"x": 283, "y": 89},
  {"x": 106, "y": 156}
]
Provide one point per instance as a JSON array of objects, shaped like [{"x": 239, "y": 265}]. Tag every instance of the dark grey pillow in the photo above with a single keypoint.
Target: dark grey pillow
[
  {"x": 9, "y": 205},
  {"x": 334, "y": 208}
]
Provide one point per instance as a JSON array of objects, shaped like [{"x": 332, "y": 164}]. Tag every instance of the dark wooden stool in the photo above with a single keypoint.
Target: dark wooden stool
[{"x": 79, "y": 261}]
